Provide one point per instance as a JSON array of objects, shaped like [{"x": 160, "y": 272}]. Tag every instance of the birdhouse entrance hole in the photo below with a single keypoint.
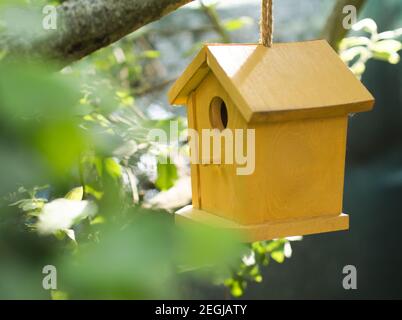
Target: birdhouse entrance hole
[{"x": 218, "y": 114}]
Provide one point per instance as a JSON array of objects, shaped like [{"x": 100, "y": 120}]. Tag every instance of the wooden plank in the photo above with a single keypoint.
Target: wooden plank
[
  {"x": 266, "y": 231},
  {"x": 218, "y": 189},
  {"x": 195, "y": 170},
  {"x": 299, "y": 170}
]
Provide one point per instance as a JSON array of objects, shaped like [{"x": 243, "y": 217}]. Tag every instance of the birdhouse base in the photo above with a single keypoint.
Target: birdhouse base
[{"x": 266, "y": 231}]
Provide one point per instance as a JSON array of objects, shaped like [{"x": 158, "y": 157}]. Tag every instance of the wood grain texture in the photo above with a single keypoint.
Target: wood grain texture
[
  {"x": 299, "y": 165},
  {"x": 289, "y": 81},
  {"x": 299, "y": 169},
  {"x": 194, "y": 166},
  {"x": 218, "y": 188},
  {"x": 265, "y": 231}
]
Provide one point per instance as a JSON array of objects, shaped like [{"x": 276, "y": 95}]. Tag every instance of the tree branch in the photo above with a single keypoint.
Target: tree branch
[
  {"x": 85, "y": 26},
  {"x": 334, "y": 31},
  {"x": 212, "y": 16}
]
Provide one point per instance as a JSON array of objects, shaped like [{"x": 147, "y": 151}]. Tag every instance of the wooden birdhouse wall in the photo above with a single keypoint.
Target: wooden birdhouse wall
[
  {"x": 215, "y": 187},
  {"x": 299, "y": 167}
]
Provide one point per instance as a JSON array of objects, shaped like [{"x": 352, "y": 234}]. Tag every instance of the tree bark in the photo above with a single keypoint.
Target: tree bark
[
  {"x": 84, "y": 26},
  {"x": 334, "y": 31}
]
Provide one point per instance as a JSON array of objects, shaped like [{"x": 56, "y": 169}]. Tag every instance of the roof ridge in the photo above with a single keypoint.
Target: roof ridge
[{"x": 287, "y": 81}]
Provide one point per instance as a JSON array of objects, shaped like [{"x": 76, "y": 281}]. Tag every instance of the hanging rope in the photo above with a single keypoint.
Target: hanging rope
[{"x": 267, "y": 24}]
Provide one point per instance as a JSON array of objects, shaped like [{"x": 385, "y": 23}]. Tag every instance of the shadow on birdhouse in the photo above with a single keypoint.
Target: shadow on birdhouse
[{"x": 295, "y": 98}]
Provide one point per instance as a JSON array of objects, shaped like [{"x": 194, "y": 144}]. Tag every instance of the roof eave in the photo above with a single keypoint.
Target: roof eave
[
  {"x": 313, "y": 113},
  {"x": 190, "y": 79},
  {"x": 198, "y": 69}
]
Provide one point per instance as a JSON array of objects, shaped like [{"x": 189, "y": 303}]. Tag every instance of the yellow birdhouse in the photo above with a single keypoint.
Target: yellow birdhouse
[{"x": 278, "y": 122}]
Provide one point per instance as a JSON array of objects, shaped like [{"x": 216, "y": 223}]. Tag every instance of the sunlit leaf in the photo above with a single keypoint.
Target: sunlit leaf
[
  {"x": 113, "y": 168},
  {"x": 390, "y": 46},
  {"x": 93, "y": 192},
  {"x": 236, "y": 290},
  {"x": 358, "y": 68},
  {"x": 70, "y": 233},
  {"x": 353, "y": 41},
  {"x": 368, "y": 25},
  {"x": 98, "y": 220},
  {"x": 352, "y": 53},
  {"x": 58, "y": 295},
  {"x": 75, "y": 194},
  {"x": 151, "y": 54},
  {"x": 278, "y": 256},
  {"x": 62, "y": 214},
  {"x": 392, "y": 58},
  {"x": 236, "y": 24},
  {"x": 390, "y": 34},
  {"x": 167, "y": 175}
]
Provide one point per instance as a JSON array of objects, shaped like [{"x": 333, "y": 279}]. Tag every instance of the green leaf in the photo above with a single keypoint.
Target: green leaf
[
  {"x": 278, "y": 256},
  {"x": 275, "y": 245},
  {"x": 113, "y": 168},
  {"x": 353, "y": 42},
  {"x": 98, "y": 220},
  {"x": 368, "y": 25},
  {"x": 125, "y": 98},
  {"x": 151, "y": 54},
  {"x": 352, "y": 53},
  {"x": 358, "y": 68},
  {"x": 392, "y": 58},
  {"x": 75, "y": 194},
  {"x": 390, "y": 34},
  {"x": 92, "y": 191},
  {"x": 390, "y": 46},
  {"x": 236, "y": 290},
  {"x": 167, "y": 175},
  {"x": 236, "y": 24},
  {"x": 30, "y": 206},
  {"x": 58, "y": 295},
  {"x": 60, "y": 235},
  {"x": 70, "y": 233}
]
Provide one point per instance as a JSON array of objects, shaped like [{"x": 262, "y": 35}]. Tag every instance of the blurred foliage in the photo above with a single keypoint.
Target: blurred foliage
[
  {"x": 356, "y": 51},
  {"x": 77, "y": 166},
  {"x": 222, "y": 28},
  {"x": 74, "y": 160},
  {"x": 54, "y": 128},
  {"x": 259, "y": 255}
]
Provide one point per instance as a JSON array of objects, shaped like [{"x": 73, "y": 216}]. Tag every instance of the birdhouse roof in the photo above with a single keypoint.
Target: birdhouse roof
[{"x": 287, "y": 81}]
